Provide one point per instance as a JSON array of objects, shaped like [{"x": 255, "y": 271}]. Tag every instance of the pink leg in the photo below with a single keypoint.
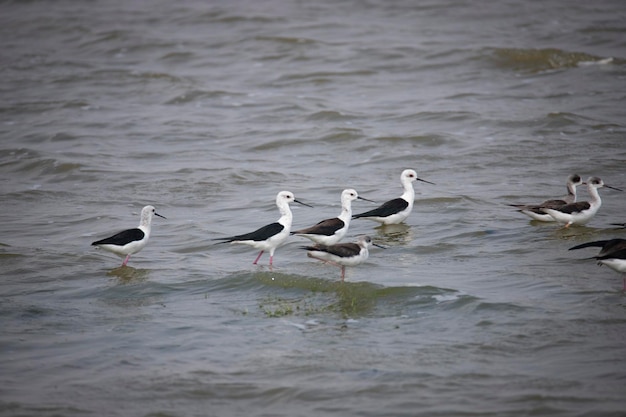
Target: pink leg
[
  {"x": 323, "y": 260},
  {"x": 257, "y": 258},
  {"x": 343, "y": 267},
  {"x": 126, "y": 260},
  {"x": 271, "y": 259}
]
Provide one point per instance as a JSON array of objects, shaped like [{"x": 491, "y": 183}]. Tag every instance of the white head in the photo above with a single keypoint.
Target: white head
[
  {"x": 348, "y": 195},
  {"x": 595, "y": 182},
  {"x": 409, "y": 175},
  {"x": 146, "y": 215},
  {"x": 283, "y": 199}
]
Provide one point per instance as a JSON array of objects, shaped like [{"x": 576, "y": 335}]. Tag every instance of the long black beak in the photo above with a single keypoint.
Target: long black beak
[
  {"x": 300, "y": 202},
  {"x": 427, "y": 182},
  {"x": 157, "y": 214},
  {"x": 365, "y": 199},
  {"x": 612, "y": 188},
  {"x": 378, "y": 246}
]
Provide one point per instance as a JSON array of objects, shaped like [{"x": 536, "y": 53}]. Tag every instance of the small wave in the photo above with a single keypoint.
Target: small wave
[
  {"x": 46, "y": 167},
  {"x": 341, "y": 135},
  {"x": 199, "y": 95},
  {"x": 281, "y": 295},
  {"x": 328, "y": 115},
  {"x": 43, "y": 106},
  {"x": 285, "y": 39},
  {"x": 232, "y": 19},
  {"x": 539, "y": 60},
  {"x": 604, "y": 61},
  {"x": 320, "y": 77},
  {"x": 425, "y": 140},
  {"x": 153, "y": 75},
  {"x": 277, "y": 144},
  {"x": 28, "y": 163},
  {"x": 178, "y": 57}
]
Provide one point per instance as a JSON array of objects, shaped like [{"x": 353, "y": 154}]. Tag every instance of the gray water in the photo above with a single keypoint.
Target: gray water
[{"x": 208, "y": 109}]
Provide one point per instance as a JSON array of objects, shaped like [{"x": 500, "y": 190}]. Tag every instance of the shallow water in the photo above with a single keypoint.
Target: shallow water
[{"x": 208, "y": 110}]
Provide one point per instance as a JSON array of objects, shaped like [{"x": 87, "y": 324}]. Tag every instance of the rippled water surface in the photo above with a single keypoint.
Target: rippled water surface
[{"x": 208, "y": 109}]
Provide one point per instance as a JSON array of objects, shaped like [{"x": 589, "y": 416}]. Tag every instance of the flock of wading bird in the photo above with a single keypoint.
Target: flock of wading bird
[{"x": 327, "y": 233}]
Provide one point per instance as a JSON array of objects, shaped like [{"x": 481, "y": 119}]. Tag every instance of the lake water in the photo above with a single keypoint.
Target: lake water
[{"x": 208, "y": 109}]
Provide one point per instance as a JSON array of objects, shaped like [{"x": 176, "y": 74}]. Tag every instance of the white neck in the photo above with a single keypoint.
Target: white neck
[
  {"x": 144, "y": 225},
  {"x": 285, "y": 213},
  {"x": 409, "y": 192},
  {"x": 346, "y": 210},
  {"x": 571, "y": 191},
  {"x": 146, "y": 219},
  {"x": 595, "y": 196}
]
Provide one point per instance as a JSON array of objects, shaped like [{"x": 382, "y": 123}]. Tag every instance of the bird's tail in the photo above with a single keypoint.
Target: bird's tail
[{"x": 597, "y": 243}]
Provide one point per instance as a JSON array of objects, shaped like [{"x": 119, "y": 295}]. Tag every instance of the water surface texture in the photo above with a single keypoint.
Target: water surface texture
[{"x": 207, "y": 109}]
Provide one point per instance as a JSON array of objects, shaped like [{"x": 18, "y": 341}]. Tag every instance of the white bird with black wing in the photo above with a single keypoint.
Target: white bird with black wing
[
  {"x": 535, "y": 212},
  {"x": 331, "y": 231},
  {"x": 583, "y": 211},
  {"x": 613, "y": 254},
  {"x": 130, "y": 241},
  {"x": 271, "y": 236},
  {"x": 342, "y": 254},
  {"x": 397, "y": 210}
]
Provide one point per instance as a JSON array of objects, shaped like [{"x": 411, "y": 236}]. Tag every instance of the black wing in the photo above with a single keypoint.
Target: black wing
[
  {"x": 574, "y": 207},
  {"x": 387, "y": 209},
  {"x": 597, "y": 243},
  {"x": 610, "y": 248},
  {"x": 614, "y": 248},
  {"x": 344, "y": 250},
  {"x": 122, "y": 238},
  {"x": 617, "y": 254},
  {"x": 326, "y": 227},
  {"x": 263, "y": 233},
  {"x": 551, "y": 204}
]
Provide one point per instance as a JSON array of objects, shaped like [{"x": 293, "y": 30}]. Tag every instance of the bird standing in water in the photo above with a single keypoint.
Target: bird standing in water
[
  {"x": 397, "y": 210},
  {"x": 130, "y": 241},
  {"x": 271, "y": 236}
]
